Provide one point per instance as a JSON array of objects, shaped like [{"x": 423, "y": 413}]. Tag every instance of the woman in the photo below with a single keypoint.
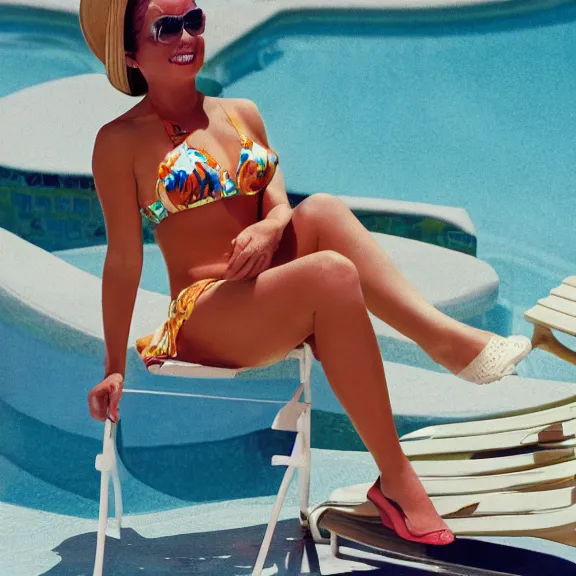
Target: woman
[{"x": 260, "y": 278}]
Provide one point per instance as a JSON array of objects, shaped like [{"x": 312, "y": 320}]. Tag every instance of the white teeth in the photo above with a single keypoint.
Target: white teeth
[{"x": 183, "y": 58}]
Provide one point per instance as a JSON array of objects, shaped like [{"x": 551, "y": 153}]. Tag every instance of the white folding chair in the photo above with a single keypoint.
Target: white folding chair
[
  {"x": 294, "y": 416},
  {"x": 107, "y": 465}
]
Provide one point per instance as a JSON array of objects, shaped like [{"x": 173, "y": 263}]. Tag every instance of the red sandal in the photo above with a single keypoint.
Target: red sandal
[{"x": 393, "y": 517}]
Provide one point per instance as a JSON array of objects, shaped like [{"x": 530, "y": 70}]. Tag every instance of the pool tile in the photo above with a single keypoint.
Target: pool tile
[
  {"x": 51, "y": 181},
  {"x": 70, "y": 181},
  {"x": 81, "y": 206},
  {"x": 62, "y": 204},
  {"x": 33, "y": 179}
]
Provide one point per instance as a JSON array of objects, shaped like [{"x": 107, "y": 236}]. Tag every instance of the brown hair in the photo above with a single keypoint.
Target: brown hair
[{"x": 133, "y": 23}]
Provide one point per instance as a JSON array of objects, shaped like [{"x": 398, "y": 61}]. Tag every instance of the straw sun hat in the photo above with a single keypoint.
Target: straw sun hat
[{"x": 102, "y": 23}]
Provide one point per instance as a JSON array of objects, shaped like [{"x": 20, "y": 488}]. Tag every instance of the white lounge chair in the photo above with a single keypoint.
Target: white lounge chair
[
  {"x": 294, "y": 416},
  {"x": 555, "y": 312},
  {"x": 537, "y": 501},
  {"x": 477, "y": 485}
]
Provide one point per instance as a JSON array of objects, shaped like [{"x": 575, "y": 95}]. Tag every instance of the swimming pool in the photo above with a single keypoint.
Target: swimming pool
[
  {"x": 476, "y": 113},
  {"x": 38, "y": 46}
]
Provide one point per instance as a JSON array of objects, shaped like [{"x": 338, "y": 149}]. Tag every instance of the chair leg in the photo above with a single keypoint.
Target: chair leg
[
  {"x": 107, "y": 466},
  {"x": 304, "y": 471},
  {"x": 118, "y": 504},
  {"x": 544, "y": 338},
  {"x": 334, "y": 544},
  {"x": 102, "y": 522},
  {"x": 300, "y": 458},
  {"x": 265, "y": 546}
]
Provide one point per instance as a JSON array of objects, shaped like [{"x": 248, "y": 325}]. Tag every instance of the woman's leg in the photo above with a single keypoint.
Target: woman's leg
[
  {"x": 251, "y": 323},
  {"x": 387, "y": 293}
]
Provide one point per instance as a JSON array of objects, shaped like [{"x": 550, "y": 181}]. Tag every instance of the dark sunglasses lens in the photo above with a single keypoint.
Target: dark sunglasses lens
[
  {"x": 169, "y": 27},
  {"x": 194, "y": 20}
]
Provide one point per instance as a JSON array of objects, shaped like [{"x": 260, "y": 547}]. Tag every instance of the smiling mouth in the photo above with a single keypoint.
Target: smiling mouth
[{"x": 183, "y": 59}]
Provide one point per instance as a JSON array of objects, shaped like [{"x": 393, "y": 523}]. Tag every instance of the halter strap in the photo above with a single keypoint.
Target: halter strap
[{"x": 177, "y": 134}]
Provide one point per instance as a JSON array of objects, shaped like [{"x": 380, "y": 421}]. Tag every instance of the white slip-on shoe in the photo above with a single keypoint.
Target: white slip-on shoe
[{"x": 498, "y": 359}]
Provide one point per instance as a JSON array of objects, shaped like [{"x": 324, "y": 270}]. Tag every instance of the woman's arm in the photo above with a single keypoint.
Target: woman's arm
[
  {"x": 117, "y": 192},
  {"x": 254, "y": 248},
  {"x": 275, "y": 205}
]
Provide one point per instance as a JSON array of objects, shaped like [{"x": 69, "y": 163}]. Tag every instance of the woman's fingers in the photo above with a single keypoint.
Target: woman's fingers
[
  {"x": 237, "y": 262},
  {"x": 98, "y": 403},
  {"x": 242, "y": 264},
  {"x": 261, "y": 264},
  {"x": 254, "y": 267},
  {"x": 114, "y": 401},
  {"x": 104, "y": 399}
]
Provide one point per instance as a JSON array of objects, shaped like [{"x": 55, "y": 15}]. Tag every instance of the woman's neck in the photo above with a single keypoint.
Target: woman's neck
[{"x": 177, "y": 105}]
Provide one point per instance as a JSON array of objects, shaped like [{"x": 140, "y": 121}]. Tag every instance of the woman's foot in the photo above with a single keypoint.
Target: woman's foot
[
  {"x": 393, "y": 517},
  {"x": 498, "y": 359},
  {"x": 404, "y": 488},
  {"x": 482, "y": 357}
]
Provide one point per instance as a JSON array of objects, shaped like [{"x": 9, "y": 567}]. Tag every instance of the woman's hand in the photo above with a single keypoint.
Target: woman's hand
[
  {"x": 253, "y": 249},
  {"x": 104, "y": 398}
]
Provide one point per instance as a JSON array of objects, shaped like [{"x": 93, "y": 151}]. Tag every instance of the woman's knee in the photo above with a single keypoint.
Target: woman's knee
[
  {"x": 319, "y": 207},
  {"x": 333, "y": 272}
]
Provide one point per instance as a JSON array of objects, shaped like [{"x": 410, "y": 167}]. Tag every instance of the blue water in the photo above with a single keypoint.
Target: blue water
[
  {"x": 36, "y": 47},
  {"x": 478, "y": 115}
]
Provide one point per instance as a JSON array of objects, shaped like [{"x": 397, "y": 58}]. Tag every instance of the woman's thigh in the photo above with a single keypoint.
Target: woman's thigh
[{"x": 257, "y": 322}]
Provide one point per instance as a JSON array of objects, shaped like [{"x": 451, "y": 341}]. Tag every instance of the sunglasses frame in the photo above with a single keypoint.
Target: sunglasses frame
[{"x": 156, "y": 27}]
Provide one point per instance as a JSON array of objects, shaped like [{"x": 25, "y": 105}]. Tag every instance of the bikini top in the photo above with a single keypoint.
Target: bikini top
[{"x": 190, "y": 177}]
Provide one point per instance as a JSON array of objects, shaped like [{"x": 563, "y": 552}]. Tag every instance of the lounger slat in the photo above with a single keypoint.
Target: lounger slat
[
  {"x": 492, "y": 425},
  {"x": 499, "y": 482},
  {"x": 559, "y": 304},
  {"x": 500, "y": 503},
  {"x": 551, "y": 318},
  {"x": 564, "y": 291},
  {"x": 187, "y": 370},
  {"x": 571, "y": 281},
  {"x": 559, "y": 432}
]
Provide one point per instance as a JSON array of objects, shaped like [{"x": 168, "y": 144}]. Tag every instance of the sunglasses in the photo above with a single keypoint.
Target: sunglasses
[{"x": 168, "y": 28}]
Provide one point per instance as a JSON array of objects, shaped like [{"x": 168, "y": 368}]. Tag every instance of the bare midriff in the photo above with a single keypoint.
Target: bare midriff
[{"x": 196, "y": 243}]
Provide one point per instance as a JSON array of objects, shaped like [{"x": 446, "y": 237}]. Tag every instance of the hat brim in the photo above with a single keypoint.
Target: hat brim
[{"x": 102, "y": 23}]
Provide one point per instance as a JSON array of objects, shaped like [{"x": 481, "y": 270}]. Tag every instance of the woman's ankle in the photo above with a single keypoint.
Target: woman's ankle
[{"x": 457, "y": 351}]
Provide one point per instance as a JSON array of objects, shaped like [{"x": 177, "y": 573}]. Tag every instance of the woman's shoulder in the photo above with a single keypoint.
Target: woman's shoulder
[
  {"x": 124, "y": 129},
  {"x": 242, "y": 106},
  {"x": 247, "y": 112}
]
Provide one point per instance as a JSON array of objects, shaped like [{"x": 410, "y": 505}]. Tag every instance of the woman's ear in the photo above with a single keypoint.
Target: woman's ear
[{"x": 130, "y": 62}]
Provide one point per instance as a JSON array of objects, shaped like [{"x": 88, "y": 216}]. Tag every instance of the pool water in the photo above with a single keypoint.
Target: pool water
[
  {"x": 478, "y": 117},
  {"x": 38, "y": 46}
]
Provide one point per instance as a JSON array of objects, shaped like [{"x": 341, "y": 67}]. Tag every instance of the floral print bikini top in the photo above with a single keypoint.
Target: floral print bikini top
[{"x": 190, "y": 177}]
